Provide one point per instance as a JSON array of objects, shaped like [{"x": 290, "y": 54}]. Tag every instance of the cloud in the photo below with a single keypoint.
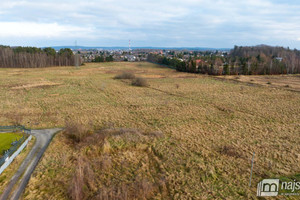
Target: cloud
[
  {"x": 221, "y": 23},
  {"x": 44, "y": 30}
]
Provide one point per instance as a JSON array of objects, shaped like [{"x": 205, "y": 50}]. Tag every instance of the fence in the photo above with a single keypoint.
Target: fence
[
  {"x": 14, "y": 129},
  {"x": 17, "y": 146}
]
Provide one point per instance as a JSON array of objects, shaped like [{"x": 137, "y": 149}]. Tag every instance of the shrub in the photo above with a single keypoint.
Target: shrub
[
  {"x": 125, "y": 75},
  {"x": 269, "y": 83},
  {"x": 141, "y": 82},
  {"x": 76, "y": 187},
  {"x": 229, "y": 151},
  {"x": 83, "y": 178},
  {"x": 76, "y": 131}
]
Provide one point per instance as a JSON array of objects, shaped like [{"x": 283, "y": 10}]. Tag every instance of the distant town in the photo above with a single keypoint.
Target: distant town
[
  {"x": 246, "y": 60},
  {"x": 137, "y": 55}
]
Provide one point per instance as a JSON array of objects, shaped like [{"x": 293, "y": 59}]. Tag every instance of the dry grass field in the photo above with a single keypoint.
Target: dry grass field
[
  {"x": 288, "y": 82},
  {"x": 184, "y": 136}
]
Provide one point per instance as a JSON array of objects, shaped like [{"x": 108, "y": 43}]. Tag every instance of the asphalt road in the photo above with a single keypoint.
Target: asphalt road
[{"x": 19, "y": 181}]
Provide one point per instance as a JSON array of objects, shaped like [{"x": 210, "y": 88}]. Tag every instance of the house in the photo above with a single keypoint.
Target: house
[
  {"x": 130, "y": 58},
  {"x": 198, "y": 62}
]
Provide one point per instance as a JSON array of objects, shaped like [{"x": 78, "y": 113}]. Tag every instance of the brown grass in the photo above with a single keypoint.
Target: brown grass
[
  {"x": 77, "y": 131},
  {"x": 275, "y": 81},
  {"x": 125, "y": 75},
  {"x": 15, "y": 118},
  {"x": 35, "y": 85},
  {"x": 210, "y": 130},
  {"x": 112, "y": 151},
  {"x": 140, "y": 82},
  {"x": 229, "y": 151}
]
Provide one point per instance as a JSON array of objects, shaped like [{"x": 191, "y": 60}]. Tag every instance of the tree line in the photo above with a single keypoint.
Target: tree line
[
  {"x": 212, "y": 66},
  {"x": 265, "y": 59},
  {"x": 101, "y": 58},
  {"x": 257, "y": 60},
  {"x": 33, "y": 57}
]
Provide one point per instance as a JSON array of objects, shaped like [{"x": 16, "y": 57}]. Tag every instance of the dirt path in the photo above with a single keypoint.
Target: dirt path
[{"x": 19, "y": 181}]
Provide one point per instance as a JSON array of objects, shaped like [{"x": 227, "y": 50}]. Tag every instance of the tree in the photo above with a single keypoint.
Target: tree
[
  {"x": 109, "y": 58},
  {"x": 66, "y": 52},
  {"x": 165, "y": 61},
  {"x": 226, "y": 70},
  {"x": 193, "y": 66},
  {"x": 218, "y": 66},
  {"x": 49, "y": 51},
  {"x": 99, "y": 59},
  {"x": 32, "y": 57}
]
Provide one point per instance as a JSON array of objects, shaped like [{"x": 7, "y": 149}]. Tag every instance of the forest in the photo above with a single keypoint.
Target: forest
[
  {"x": 32, "y": 57},
  {"x": 256, "y": 60}
]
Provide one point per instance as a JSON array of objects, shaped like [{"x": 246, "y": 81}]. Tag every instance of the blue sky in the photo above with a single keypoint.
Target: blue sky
[{"x": 162, "y": 23}]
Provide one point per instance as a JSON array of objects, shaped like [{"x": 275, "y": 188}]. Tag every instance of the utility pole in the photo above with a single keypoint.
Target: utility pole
[
  {"x": 76, "y": 56},
  {"x": 129, "y": 47}
]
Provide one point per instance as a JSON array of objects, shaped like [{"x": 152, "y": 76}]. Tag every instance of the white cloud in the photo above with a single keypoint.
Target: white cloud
[
  {"x": 151, "y": 22},
  {"x": 42, "y": 30}
]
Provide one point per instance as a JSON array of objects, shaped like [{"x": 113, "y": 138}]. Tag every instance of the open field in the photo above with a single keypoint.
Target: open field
[
  {"x": 185, "y": 136},
  {"x": 6, "y": 139},
  {"x": 288, "y": 82}
]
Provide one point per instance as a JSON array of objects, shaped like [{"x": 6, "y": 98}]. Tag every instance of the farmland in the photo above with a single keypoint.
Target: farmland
[
  {"x": 6, "y": 139},
  {"x": 184, "y": 136}
]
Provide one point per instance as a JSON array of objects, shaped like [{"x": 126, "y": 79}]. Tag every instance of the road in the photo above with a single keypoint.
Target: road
[{"x": 19, "y": 181}]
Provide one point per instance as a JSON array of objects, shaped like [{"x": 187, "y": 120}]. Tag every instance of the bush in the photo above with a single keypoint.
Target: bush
[
  {"x": 76, "y": 131},
  {"x": 125, "y": 75},
  {"x": 229, "y": 151},
  {"x": 141, "y": 82}
]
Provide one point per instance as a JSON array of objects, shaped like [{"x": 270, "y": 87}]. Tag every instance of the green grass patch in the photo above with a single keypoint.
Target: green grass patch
[{"x": 6, "y": 139}]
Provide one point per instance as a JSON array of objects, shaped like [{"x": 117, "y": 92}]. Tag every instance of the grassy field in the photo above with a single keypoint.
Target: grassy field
[
  {"x": 6, "y": 139},
  {"x": 287, "y": 82},
  {"x": 185, "y": 136}
]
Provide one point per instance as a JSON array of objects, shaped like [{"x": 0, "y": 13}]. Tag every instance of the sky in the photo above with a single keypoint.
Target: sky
[{"x": 155, "y": 23}]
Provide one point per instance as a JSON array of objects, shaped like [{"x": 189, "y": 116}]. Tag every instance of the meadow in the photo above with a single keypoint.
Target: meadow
[
  {"x": 183, "y": 136},
  {"x": 288, "y": 82}
]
